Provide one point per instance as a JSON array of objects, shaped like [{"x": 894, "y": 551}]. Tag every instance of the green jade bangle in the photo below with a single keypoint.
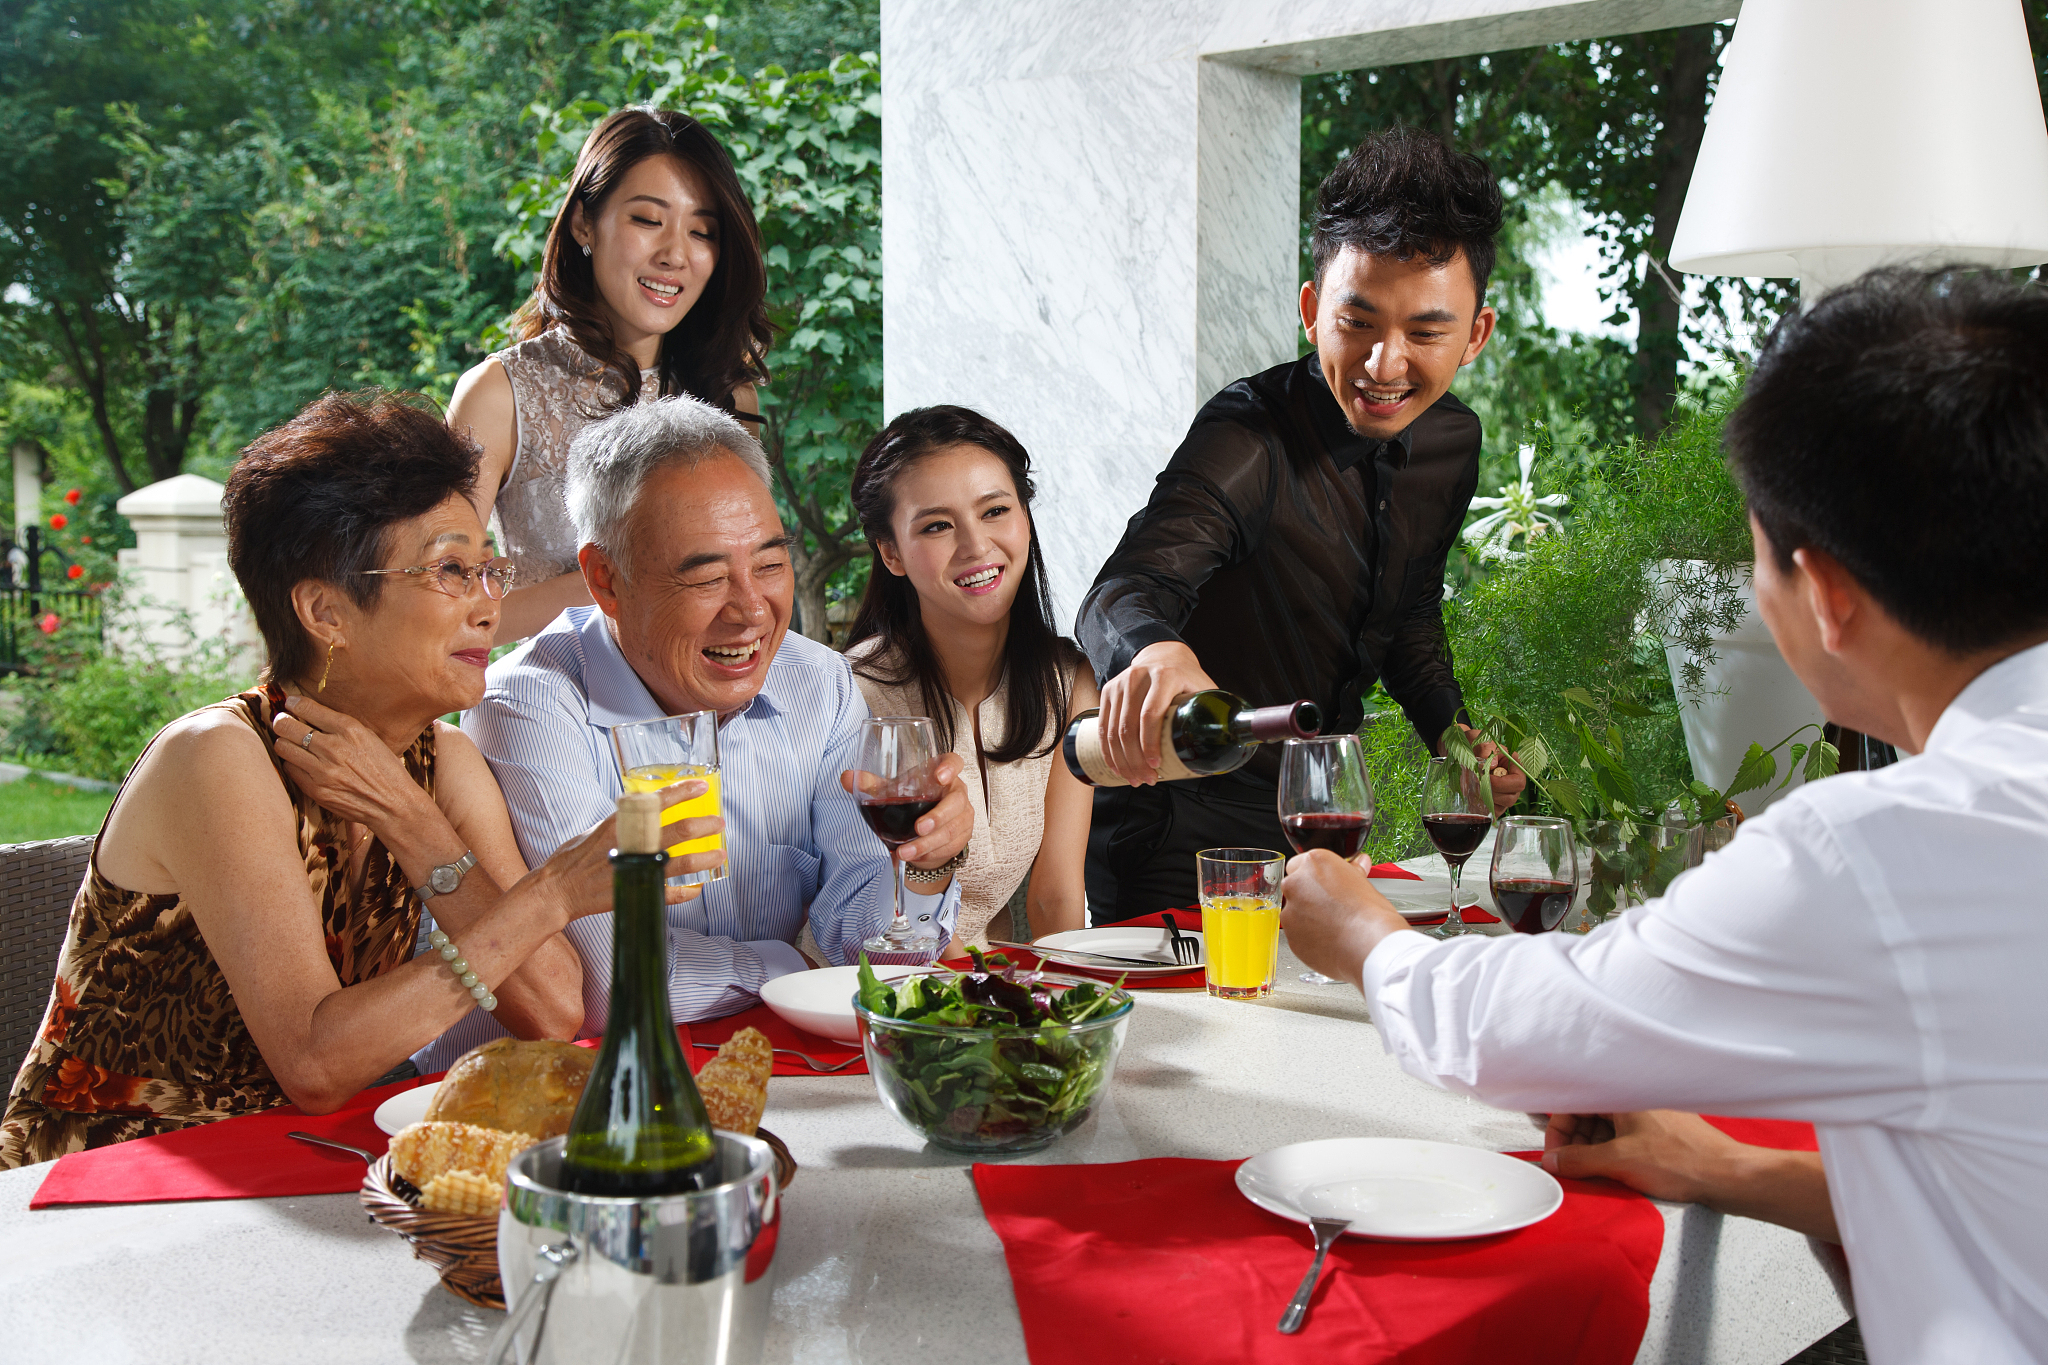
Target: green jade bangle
[{"x": 459, "y": 965}]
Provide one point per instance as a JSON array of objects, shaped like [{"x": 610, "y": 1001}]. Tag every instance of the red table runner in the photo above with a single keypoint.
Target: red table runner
[
  {"x": 1164, "y": 1261},
  {"x": 246, "y": 1157}
]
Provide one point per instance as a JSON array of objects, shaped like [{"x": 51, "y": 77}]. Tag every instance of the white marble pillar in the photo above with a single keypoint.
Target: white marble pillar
[{"x": 1090, "y": 211}]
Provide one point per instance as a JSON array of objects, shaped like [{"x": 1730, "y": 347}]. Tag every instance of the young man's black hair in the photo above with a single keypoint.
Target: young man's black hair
[
  {"x": 1848, "y": 403},
  {"x": 1403, "y": 193}
]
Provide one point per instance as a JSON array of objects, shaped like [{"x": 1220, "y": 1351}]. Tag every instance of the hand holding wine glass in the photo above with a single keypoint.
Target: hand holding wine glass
[
  {"x": 1456, "y": 813},
  {"x": 1325, "y": 801},
  {"x": 897, "y": 785}
]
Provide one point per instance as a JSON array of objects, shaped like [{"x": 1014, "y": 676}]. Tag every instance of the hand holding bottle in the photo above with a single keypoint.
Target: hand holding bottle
[{"x": 1135, "y": 704}]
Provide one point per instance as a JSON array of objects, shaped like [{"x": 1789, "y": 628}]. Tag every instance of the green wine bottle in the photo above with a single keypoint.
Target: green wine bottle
[{"x": 640, "y": 1129}]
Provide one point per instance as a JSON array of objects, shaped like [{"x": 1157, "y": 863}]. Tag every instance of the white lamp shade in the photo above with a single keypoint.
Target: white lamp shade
[{"x": 1848, "y": 134}]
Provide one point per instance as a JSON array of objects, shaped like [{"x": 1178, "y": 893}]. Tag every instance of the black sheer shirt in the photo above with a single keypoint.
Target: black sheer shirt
[{"x": 1295, "y": 557}]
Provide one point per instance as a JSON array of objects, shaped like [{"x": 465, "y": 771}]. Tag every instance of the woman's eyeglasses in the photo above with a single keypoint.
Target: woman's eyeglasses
[{"x": 452, "y": 576}]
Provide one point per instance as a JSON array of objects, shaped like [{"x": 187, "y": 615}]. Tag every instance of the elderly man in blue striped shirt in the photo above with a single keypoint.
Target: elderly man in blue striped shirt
[{"x": 689, "y": 569}]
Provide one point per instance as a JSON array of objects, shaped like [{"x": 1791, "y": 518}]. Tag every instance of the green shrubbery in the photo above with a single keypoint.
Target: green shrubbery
[
  {"x": 1585, "y": 609},
  {"x": 90, "y": 710}
]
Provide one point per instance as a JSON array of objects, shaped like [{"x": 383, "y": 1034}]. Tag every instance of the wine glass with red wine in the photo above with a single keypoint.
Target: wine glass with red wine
[
  {"x": 898, "y": 789},
  {"x": 1325, "y": 801},
  {"x": 1457, "y": 810},
  {"x": 1535, "y": 872}
]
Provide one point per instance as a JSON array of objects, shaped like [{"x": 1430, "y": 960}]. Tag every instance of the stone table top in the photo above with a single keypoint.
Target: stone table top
[{"x": 884, "y": 1254}]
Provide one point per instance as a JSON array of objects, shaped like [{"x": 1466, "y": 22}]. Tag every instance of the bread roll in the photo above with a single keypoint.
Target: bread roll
[
  {"x": 514, "y": 1085},
  {"x": 734, "y": 1084}
]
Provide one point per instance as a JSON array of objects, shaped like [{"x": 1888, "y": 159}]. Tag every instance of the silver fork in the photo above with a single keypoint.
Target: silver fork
[
  {"x": 1327, "y": 1231},
  {"x": 406, "y": 1189},
  {"x": 812, "y": 1062},
  {"x": 1185, "y": 950}
]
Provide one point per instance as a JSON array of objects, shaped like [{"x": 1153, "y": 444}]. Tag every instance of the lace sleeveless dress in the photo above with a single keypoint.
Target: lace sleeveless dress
[
  {"x": 141, "y": 1035},
  {"x": 1008, "y": 800},
  {"x": 557, "y": 390}
]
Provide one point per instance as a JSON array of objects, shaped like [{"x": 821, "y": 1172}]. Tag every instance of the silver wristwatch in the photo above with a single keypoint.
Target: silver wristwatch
[{"x": 446, "y": 877}]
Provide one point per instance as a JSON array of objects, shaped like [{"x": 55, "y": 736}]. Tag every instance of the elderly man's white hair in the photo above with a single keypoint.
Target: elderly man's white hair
[{"x": 610, "y": 462}]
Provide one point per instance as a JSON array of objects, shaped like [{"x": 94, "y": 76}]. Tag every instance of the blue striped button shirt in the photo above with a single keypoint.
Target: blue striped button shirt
[{"x": 794, "y": 839}]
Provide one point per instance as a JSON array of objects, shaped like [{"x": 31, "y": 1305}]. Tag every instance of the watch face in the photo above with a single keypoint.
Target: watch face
[{"x": 445, "y": 879}]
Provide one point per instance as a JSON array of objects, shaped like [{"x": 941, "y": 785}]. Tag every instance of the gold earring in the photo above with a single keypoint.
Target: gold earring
[{"x": 327, "y": 670}]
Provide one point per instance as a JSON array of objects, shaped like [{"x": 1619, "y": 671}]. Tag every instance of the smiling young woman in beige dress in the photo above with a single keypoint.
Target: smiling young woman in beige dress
[
  {"x": 957, "y": 625},
  {"x": 651, "y": 284}
]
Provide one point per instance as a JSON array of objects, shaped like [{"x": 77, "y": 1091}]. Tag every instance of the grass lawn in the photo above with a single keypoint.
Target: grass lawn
[{"x": 34, "y": 809}]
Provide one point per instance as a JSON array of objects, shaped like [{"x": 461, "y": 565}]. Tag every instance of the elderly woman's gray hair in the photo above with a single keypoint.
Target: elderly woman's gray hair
[{"x": 610, "y": 462}]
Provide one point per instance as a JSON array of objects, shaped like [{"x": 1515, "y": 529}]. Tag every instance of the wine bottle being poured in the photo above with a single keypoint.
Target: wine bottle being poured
[
  {"x": 640, "y": 1129},
  {"x": 1205, "y": 733}
]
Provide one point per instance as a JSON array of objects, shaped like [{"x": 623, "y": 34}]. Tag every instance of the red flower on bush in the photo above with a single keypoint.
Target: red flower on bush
[
  {"x": 49, "y": 623},
  {"x": 59, "y": 522},
  {"x": 85, "y": 540},
  {"x": 75, "y": 571},
  {"x": 73, "y": 496}
]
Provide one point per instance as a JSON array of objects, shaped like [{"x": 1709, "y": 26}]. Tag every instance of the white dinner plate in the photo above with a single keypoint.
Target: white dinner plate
[
  {"x": 405, "y": 1108},
  {"x": 1419, "y": 900},
  {"x": 1401, "y": 1189},
  {"x": 1119, "y": 941},
  {"x": 820, "y": 1001}
]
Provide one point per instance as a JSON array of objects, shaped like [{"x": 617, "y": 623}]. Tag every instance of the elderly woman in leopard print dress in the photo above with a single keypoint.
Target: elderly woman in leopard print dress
[{"x": 245, "y": 932}]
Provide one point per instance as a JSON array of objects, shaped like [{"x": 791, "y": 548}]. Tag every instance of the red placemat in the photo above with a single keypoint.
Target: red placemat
[
  {"x": 780, "y": 1032},
  {"x": 245, "y": 1157},
  {"x": 1785, "y": 1134},
  {"x": 1164, "y": 1260}
]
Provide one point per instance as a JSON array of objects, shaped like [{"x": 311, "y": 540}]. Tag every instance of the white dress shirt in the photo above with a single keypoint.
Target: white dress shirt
[
  {"x": 794, "y": 840},
  {"x": 1871, "y": 955}
]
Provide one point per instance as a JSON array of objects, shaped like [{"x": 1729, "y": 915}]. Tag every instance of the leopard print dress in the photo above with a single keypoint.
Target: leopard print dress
[{"x": 141, "y": 1035}]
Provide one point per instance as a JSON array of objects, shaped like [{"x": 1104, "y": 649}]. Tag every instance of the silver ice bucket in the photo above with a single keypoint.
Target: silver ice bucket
[{"x": 683, "y": 1279}]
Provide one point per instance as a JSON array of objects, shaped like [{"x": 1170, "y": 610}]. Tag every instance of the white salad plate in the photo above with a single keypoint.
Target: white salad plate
[
  {"x": 1117, "y": 941},
  {"x": 1401, "y": 1189},
  {"x": 405, "y": 1108},
  {"x": 821, "y": 1001}
]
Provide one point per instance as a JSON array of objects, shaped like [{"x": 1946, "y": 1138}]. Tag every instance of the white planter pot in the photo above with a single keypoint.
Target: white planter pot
[{"x": 1750, "y": 697}]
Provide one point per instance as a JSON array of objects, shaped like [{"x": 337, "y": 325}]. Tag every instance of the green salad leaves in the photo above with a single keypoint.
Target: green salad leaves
[{"x": 1033, "y": 1081}]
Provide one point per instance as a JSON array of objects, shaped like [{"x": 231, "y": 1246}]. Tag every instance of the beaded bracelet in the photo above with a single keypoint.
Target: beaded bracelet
[{"x": 459, "y": 965}]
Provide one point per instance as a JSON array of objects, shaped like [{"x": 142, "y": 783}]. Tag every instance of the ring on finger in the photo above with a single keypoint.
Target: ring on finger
[{"x": 306, "y": 740}]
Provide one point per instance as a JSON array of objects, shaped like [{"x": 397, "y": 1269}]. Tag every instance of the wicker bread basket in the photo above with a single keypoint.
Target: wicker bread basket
[{"x": 465, "y": 1250}]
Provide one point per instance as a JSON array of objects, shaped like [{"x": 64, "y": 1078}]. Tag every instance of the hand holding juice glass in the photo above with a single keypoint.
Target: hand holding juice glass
[
  {"x": 1240, "y": 920},
  {"x": 654, "y": 754}
]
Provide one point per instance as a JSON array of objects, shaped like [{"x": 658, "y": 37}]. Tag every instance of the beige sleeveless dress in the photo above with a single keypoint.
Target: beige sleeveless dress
[
  {"x": 557, "y": 390},
  {"x": 1008, "y": 800}
]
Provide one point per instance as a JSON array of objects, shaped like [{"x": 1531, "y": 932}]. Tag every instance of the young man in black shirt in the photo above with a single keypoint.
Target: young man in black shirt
[{"x": 1295, "y": 543}]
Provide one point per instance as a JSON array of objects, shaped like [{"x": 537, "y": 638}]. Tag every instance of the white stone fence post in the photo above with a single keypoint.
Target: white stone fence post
[{"x": 179, "y": 569}]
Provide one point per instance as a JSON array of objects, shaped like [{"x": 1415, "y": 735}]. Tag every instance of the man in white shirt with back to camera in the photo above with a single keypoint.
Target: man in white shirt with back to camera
[{"x": 1871, "y": 954}]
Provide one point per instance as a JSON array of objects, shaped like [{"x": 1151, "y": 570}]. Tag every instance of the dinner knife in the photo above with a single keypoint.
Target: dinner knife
[{"x": 1055, "y": 953}]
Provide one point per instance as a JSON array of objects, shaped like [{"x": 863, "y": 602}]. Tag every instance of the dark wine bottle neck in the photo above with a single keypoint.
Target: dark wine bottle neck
[
  {"x": 640, "y": 939},
  {"x": 1268, "y": 724}
]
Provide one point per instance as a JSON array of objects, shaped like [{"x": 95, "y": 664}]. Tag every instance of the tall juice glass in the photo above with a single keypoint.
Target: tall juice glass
[
  {"x": 654, "y": 754},
  {"x": 1240, "y": 920}
]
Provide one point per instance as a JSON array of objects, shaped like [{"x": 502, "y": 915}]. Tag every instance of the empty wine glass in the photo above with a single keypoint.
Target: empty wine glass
[
  {"x": 1325, "y": 801},
  {"x": 1535, "y": 872},
  {"x": 897, "y": 789},
  {"x": 1457, "y": 810}
]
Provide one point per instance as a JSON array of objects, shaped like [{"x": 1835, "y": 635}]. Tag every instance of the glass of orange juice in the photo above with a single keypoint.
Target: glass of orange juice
[
  {"x": 654, "y": 754},
  {"x": 1240, "y": 920}
]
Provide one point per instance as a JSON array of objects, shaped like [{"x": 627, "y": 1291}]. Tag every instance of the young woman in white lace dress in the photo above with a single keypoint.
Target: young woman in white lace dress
[
  {"x": 957, "y": 625},
  {"x": 651, "y": 284}
]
